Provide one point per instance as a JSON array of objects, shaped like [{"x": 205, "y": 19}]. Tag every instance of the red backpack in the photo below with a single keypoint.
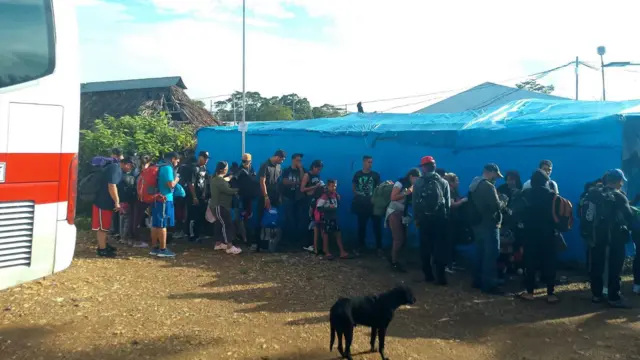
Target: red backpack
[
  {"x": 147, "y": 186},
  {"x": 562, "y": 211}
]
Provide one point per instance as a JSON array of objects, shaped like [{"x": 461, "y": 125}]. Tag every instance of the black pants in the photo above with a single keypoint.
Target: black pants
[
  {"x": 540, "y": 255},
  {"x": 597, "y": 262},
  {"x": 224, "y": 230},
  {"x": 296, "y": 220},
  {"x": 434, "y": 247},
  {"x": 195, "y": 219},
  {"x": 376, "y": 222}
]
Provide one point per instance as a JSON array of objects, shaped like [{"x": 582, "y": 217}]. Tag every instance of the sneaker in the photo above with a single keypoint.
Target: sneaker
[
  {"x": 449, "y": 270},
  {"x": 105, "y": 253},
  {"x": 154, "y": 251},
  {"x": 309, "y": 248},
  {"x": 141, "y": 244},
  {"x": 254, "y": 247},
  {"x": 179, "y": 235},
  {"x": 619, "y": 304},
  {"x": 234, "y": 250},
  {"x": 111, "y": 248},
  {"x": 220, "y": 246},
  {"x": 636, "y": 289},
  {"x": 165, "y": 253},
  {"x": 597, "y": 299}
]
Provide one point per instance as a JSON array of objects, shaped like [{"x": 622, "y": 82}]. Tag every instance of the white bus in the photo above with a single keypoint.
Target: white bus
[{"x": 39, "y": 133}]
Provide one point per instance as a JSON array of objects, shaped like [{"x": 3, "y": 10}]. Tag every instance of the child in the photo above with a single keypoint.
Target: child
[{"x": 326, "y": 215}]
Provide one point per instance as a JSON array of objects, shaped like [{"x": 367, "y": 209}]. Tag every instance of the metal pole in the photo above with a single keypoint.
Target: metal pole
[
  {"x": 293, "y": 109},
  {"x": 577, "y": 66},
  {"x": 244, "y": 99},
  {"x": 604, "y": 94}
]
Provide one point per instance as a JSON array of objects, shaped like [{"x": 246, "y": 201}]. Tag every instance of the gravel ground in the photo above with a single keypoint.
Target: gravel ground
[{"x": 206, "y": 305}]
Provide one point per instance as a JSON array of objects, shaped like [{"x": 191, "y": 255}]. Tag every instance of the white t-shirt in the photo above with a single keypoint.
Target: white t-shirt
[{"x": 398, "y": 205}]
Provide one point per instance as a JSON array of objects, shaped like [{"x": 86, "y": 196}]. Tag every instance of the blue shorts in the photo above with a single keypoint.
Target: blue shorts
[{"x": 162, "y": 214}]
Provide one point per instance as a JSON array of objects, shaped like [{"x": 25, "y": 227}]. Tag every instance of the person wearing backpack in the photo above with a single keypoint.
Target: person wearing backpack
[
  {"x": 540, "y": 246},
  {"x": 127, "y": 193},
  {"x": 488, "y": 206},
  {"x": 397, "y": 216},
  {"x": 106, "y": 202},
  {"x": 431, "y": 201},
  {"x": 613, "y": 230},
  {"x": 196, "y": 186},
  {"x": 162, "y": 209},
  {"x": 362, "y": 185}
]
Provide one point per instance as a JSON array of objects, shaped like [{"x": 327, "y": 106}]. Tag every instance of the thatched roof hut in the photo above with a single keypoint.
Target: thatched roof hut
[{"x": 131, "y": 97}]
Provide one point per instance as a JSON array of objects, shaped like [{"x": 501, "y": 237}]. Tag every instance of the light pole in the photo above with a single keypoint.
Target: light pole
[
  {"x": 601, "y": 51},
  {"x": 244, "y": 100}
]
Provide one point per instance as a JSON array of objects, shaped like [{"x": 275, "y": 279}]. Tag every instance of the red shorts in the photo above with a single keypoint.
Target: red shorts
[{"x": 101, "y": 219}]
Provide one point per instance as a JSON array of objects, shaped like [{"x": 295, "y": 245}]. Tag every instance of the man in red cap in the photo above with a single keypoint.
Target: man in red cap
[{"x": 431, "y": 206}]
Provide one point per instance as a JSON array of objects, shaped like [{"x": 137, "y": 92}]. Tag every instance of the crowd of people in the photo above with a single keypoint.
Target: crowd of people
[{"x": 516, "y": 228}]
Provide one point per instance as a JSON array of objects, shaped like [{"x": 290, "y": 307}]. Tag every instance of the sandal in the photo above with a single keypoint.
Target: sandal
[
  {"x": 526, "y": 296},
  {"x": 330, "y": 257},
  {"x": 552, "y": 299}
]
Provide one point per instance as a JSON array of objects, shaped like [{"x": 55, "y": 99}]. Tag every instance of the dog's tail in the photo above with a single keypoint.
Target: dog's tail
[{"x": 333, "y": 337}]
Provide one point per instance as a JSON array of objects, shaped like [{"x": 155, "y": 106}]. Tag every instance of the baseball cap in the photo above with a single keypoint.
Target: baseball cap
[
  {"x": 246, "y": 157},
  {"x": 296, "y": 155},
  {"x": 616, "y": 175},
  {"x": 280, "y": 153},
  {"x": 427, "y": 160},
  {"x": 491, "y": 167},
  {"x": 204, "y": 154},
  {"x": 317, "y": 164}
]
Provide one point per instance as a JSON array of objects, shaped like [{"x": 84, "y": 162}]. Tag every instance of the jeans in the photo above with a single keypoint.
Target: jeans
[
  {"x": 597, "y": 263},
  {"x": 487, "y": 239},
  {"x": 433, "y": 247},
  {"x": 376, "y": 223}
]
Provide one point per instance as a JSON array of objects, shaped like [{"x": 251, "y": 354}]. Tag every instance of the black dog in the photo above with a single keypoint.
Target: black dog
[{"x": 375, "y": 311}]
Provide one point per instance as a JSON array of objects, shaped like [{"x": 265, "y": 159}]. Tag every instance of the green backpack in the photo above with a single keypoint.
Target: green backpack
[{"x": 381, "y": 198}]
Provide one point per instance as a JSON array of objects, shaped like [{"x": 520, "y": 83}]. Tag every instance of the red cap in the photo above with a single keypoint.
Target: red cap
[{"x": 427, "y": 160}]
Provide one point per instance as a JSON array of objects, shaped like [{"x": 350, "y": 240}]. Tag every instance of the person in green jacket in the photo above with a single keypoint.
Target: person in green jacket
[{"x": 220, "y": 205}]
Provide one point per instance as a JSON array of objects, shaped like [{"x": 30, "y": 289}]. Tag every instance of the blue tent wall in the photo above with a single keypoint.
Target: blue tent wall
[{"x": 582, "y": 139}]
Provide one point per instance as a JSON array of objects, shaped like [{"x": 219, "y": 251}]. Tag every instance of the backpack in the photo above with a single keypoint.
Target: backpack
[
  {"x": 127, "y": 188},
  {"x": 595, "y": 208},
  {"x": 89, "y": 186},
  {"x": 562, "y": 211},
  {"x": 147, "y": 186},
  {"x": 381, "y": 198},
  {"x": 518, "y": 207},
  {"x": 430, "y": 199}
]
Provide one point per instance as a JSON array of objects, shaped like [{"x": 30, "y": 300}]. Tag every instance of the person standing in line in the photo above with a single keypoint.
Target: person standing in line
[
  {"x": 540, "y": 242},
  {"x": 311, "y": 187},
  {"x": 268, "y": 176},
  {"x": 292, "y": 196},
  {"x": 245, "y": 180},
  {"x": 140, "y": 208},
  {"x": 457, "y": 227},
  {"x": 163, "y": 212},
  {"x": 107, "y": 202},
  {"x": 220, "y": 204},
  {"x": 489, "y": 206},
  {"x": 362, "y": 185},
  {"x": 431, "y": 200},
  {"x": 613, "y": 233},
  {"x": 547, "y": 167},
  {"x": 397, "y": 216},
  {"x": 197, "y": 190}
]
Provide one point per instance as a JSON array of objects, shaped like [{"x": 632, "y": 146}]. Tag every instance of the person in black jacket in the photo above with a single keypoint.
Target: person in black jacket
[
  {"x": 246, "y": 181},
  {"x": 540, "y": 237},
  {"x": 614, "y": 234}
]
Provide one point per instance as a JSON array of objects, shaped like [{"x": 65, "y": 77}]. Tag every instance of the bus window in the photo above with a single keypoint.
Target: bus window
[{"x": 27, "y": 45}]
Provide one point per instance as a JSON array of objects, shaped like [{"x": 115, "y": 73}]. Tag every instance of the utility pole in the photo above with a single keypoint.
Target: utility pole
[
  {"x": 293, "y": 109},
  {"x": 577, "y": 67},
  {"x": 233, "y": 106},
  {"x": 601, "y": 51},
  {"x": 211, "y": 106},
  {"x": 244, "y": 98}
]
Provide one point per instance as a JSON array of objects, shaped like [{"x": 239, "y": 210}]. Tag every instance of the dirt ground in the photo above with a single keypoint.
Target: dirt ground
[{"x": 206, "y": 305}]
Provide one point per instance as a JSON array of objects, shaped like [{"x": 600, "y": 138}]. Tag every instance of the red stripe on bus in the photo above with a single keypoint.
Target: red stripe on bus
[{"x": 42, "y": 178}]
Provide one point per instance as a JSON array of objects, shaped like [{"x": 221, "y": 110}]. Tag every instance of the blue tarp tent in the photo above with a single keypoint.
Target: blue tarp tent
[{"x": 583, "y": 139}]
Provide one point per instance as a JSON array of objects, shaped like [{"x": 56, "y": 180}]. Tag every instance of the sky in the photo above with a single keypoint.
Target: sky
[{"x": 345, "y": 51}]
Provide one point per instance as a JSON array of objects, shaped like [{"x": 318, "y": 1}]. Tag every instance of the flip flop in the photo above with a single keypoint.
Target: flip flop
[{"x": 330, "y": 257}]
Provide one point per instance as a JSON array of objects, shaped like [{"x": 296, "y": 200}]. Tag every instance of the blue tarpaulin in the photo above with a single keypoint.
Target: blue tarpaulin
[{"x": 583, "y": 139}]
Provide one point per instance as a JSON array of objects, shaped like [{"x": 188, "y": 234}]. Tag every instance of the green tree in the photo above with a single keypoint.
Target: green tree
[
  {"x": 151, "y": 135},
  {"x": 300, "y": 107},
  {"x": 535, "y": 86},
  {"x": 270, "y": 112},
  {"x": 199, "y": 103},
  {"x": 327, "y": 111}
]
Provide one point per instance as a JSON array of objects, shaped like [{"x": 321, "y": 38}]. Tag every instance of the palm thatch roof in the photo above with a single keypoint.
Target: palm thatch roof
[{"x": 142, "y": 96}]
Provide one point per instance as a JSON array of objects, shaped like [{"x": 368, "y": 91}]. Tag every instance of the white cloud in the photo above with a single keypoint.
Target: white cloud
[{"x": 381, "y": 49}]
